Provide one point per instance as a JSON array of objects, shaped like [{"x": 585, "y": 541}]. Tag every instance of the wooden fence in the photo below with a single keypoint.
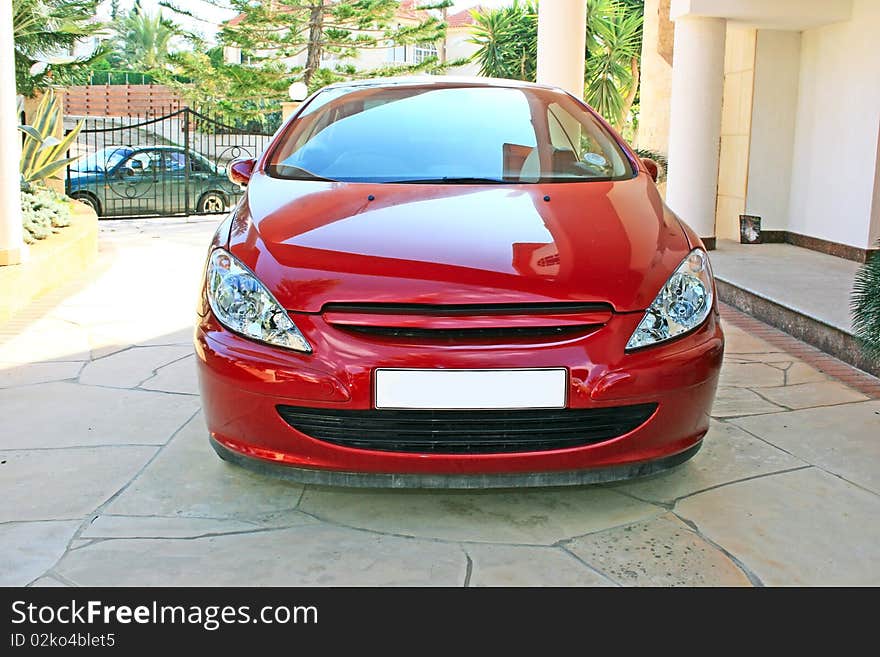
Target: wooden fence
[{"x": 142, "y": 100}]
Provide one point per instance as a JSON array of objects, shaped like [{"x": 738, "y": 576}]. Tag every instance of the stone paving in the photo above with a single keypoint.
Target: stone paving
[{"x": 108, "y": 477}]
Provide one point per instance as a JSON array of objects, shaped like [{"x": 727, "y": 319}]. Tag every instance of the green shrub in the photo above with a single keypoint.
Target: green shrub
[
  {"x": 658, "y": 157},
  {"x": 865, "y": 304},
  {"x": 43, "y": 212}
]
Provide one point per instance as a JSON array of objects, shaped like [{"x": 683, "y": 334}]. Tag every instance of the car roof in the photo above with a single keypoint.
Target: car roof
[
  {"x": 155, "y": 148},
  {"x": 439, "y": 81},
  {"x": 136, "y": 149},
  {"x": 176, "y": 149}
]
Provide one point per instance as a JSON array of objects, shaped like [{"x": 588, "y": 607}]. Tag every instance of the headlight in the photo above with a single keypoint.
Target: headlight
[
  {"x": 681, "y": 306},
  {"x": 243, "y": 304}
]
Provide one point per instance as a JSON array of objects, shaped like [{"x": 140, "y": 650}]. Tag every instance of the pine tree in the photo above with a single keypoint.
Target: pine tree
[
  {"x": 269, "y": 33},
  {"x": 279, "y": 29}
]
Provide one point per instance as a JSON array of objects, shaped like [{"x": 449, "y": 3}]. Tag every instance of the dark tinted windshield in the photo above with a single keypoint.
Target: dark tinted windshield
[
  {"x": 104, "y": 160},
  {"x": 447, "y": 135}
]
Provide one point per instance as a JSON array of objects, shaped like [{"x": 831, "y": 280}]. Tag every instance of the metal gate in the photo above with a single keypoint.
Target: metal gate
[{"x": 162, "y": 165}]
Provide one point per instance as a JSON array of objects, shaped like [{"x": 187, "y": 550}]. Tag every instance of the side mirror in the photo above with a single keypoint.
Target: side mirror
[
  {"x": 240, "y": 171},
  {"x": 652, "y": 167}
]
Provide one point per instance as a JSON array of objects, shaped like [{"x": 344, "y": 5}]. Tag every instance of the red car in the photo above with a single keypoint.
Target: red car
[{"x": 455, "y": 283}]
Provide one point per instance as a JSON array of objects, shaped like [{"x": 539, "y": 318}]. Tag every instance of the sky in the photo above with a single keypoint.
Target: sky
[{"x": 212, "y": 16}]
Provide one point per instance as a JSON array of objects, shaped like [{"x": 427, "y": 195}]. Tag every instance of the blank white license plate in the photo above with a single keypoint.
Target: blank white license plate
[{"x": 472, "y": 389}]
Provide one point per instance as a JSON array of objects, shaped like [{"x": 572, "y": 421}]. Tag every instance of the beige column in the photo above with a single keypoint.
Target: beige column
[
  {"x": 12, "y": 248},
  {"x": 288, "y": 108},
  {"x": 562, "y": 29},
  {"x": 874, "y": 219},
  {"x": 656, "y": 79},
  {"x": 695, "y": 120}
]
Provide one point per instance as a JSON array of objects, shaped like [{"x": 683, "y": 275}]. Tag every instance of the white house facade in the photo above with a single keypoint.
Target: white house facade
[{"x": 768, "y": 108}]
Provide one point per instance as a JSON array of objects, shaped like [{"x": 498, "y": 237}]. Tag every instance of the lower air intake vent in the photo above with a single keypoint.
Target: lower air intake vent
[{"x": 466, "y": 432}]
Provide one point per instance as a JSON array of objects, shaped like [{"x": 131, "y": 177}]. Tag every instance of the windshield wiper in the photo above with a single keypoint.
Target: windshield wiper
[{"x": 452, "y": 180}]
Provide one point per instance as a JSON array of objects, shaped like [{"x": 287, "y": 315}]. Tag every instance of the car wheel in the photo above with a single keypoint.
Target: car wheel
[
  {"x": 211, "y": 203},
  {"x": 89, "y": 200}
]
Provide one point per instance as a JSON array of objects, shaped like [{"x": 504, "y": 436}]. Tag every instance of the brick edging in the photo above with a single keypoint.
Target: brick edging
[{"x": 825, "y": 363}]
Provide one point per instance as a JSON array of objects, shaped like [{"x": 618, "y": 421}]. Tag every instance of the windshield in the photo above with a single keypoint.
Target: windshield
[
  {"x": 104, "y": 160},
  {"x": 449, "y": 135}
]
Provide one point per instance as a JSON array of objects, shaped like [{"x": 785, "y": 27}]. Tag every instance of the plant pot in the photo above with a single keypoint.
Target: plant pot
[{"x": 749, "y": 229}]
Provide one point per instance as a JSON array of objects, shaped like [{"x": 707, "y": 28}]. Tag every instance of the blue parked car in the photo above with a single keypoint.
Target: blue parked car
[{"x": 150, "y": 180}]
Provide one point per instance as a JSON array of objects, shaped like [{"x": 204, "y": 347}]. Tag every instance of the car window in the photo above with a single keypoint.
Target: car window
[
  {"x": 577, "y": 147},
  {"x": 103, "y": 160},
  {"x": 174, "y": 161},
  {"x": 448, "y": 135},
  {"x": 198, "y": 165},
  {"x": 144, "y": 161}
]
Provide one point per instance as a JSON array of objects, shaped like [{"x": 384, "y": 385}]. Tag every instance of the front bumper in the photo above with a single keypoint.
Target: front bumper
[
  {"x": 242, "y": 382},
  {"x": 448, "y": 481}
]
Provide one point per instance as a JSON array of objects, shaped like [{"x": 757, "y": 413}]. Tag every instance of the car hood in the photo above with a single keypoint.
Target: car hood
[{"x": 316, "y": 242}]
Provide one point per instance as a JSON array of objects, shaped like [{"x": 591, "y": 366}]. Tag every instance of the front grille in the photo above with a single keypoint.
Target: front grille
[
  {"x": 466, "y": 431},
  {"x": 468, "y": 308},
  {"x": 468, "y": 323},
  {"x": 472, "y": 334}
]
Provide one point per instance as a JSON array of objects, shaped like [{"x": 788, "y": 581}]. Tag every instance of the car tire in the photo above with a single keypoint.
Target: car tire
[
  {"x": 88, "y": 199},
  {"x": 212, "y": 203}
]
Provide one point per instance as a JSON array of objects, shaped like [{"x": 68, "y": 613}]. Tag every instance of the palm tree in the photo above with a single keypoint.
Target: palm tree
[
  {"x": 508, "y": 37},
  {"x": 614, "y": 46},
  {"x": 144, "y": 38},
  {"x": 508, "y": 41},
  {"x": 45, "y": 33}
]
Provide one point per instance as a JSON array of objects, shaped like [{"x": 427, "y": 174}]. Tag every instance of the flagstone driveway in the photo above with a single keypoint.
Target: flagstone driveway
[{"x": 108, "y": 479}]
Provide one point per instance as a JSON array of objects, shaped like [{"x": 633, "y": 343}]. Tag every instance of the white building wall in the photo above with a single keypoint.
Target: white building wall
[
  {"x": 777, "y": 64},
  {"x": 231, "y": 55},
  {"x": 835, "y": 154},
  {"x": 458, "y": 46},
  {"x": 367, "y": 59}
]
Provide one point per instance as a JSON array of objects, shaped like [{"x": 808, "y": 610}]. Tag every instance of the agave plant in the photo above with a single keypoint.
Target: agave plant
[
  {"x": 865, "y": 305},
  {"x": 43, "y": 155}
]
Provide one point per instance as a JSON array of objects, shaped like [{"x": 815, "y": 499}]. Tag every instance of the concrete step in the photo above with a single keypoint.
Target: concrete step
[{"x": 802, "y": 292}]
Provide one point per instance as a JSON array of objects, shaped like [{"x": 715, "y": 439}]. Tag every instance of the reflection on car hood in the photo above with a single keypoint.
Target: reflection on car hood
[{"x": 314, "y": 243}]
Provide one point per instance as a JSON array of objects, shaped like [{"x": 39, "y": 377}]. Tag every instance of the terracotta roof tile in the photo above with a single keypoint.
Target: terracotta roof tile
[
  {"x": 408, "y": 10},
  {"x": 463, "y": 18}
]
